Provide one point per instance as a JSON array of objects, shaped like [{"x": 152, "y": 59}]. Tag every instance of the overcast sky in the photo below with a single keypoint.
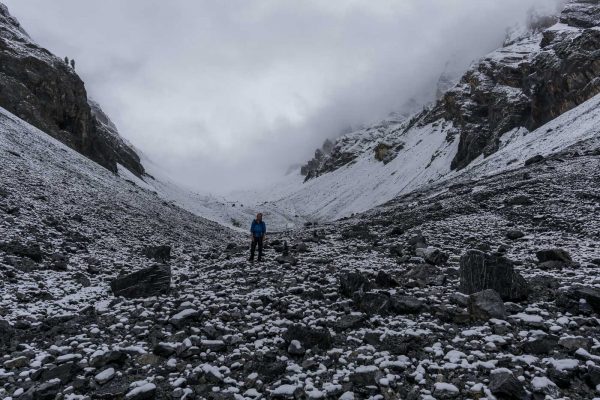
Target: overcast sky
[{"x": 228, "y": 94}]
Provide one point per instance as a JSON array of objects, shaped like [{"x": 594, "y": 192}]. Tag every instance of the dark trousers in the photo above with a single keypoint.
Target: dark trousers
[{"x": 255, "y": 241}]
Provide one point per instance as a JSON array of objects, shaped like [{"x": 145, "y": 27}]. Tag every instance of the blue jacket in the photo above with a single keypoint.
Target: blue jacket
[{"x": 258, "y": 229}]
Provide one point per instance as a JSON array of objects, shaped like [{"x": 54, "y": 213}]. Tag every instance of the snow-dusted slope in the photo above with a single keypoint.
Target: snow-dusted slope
[
  {"x": 494, "y": 118},
  {"x": 424, "y": 159}
]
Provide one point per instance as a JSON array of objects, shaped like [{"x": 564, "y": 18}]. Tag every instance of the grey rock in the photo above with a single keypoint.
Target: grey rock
[
  {"x": 158, "y": 253},
  {"x": 480, "y": 271},
  {"x": 147, "y": 282},
  {"x": 112, "y": 357},
  {"x": 514, "y": 234},
  {"x": 553, "y": 255},
  {"x": 534, "y": 160},
  {"x": 485, "y": 305},
  {"x": 352, "y": 282},
  {"x": 295, "y": 348},
  {"x": 506, "y": 386},
  {"x": 406, "y": 305},
  {"x": 310, "y": 337},
  {"x": 545, "y": 344}
]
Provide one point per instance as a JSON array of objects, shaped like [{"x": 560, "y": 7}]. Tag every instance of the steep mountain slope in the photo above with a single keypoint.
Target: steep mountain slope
[
  {"x": 44, "y": 91},
  {"x": 517, "y": 89}
]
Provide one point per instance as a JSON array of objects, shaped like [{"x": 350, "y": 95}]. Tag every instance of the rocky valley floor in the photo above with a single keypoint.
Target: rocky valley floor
[{"x": 368, "y": 307}]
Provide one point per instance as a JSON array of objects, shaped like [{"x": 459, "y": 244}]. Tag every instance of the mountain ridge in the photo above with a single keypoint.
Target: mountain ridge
[{"x": 41, "y": 89}]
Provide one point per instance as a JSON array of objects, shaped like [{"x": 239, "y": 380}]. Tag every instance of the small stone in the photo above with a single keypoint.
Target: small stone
[
  {"x": 19, "y": 362},
  {"x": 105, "y": 376},
  {"x": 514, "y": 234},
  {"x": 295, "y": 348}
]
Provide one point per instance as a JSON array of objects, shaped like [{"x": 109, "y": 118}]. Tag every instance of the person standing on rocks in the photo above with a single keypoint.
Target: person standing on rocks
[{"x": 258, "y": 229}]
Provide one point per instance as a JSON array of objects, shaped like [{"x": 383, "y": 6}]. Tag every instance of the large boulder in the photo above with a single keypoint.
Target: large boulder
[
  {"x": 147, "y": 282},
  {"x": 590, "y": 294},
  {"x": 485, "y": 305},
  {"x": 480, "y": 271},
  {"x": 504, "y": 385}
]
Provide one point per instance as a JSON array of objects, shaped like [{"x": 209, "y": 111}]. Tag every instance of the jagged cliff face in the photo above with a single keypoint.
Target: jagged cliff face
[
  {"x": 41, "y": 89},
  {"x": 526, "y": 84},
  {"x": 538, "y": 76}
]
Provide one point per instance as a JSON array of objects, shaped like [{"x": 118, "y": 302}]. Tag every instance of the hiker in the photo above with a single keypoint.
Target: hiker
[{"x": 258, "y": 230}]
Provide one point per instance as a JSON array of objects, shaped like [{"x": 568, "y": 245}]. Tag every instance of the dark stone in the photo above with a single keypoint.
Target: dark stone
[
  {"x": 30, "y": 250},
  {"x": 518, "y": 200},
  {"x": 554, "y": 255},
  {"x": 593, "y": 375},
  {"x": 396, "y": 251},
  {"x": 113, "y": 357},
  {"x": 417, "y": 241},
  {"x": 44, "y": 391},
  {"x": 590, "y": 294},
  {"x": 353, "y": 282},
  {"x": 505, "y": 386},
  {"x": 433, "y": 256},
  {"x": 372, "y": 303},
  {"x": 65, "y": 372},
  {"x": 7, "y": 335},
  {"x": 351, "y": 321},
  {"x": 163, "y": 349},
  {"x": 545, "y": 344},
  {"x": 359, "y": 231},
  {"x": 406, "y": 305},
  {"x": 286, "y": 260},
  {"x": 309, "y": 336},
  {"x": 366, "y": 376},
  {"x": 480, "y": 271},
  {"x": 426, "y": 275},
  {"x": 59, "y": 262},
  {"x": 485, "y": 305},
  {"x": 268, "y": 367},
  {"x": 514, "y": 234},
  {"x": 158, "y": 253},
  {"x": 147, "y": 282},
  {"x": 385, "y": 280},
  {"x": 534, "y": 160}
]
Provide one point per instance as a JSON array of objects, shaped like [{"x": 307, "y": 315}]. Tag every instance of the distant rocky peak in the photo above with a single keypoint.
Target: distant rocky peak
[{"x": 581, "y": 13}]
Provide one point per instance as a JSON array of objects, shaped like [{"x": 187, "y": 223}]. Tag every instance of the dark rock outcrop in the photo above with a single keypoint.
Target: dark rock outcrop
[
  {"x": 480, "y": 271},
  {"x": 501, "y": 94},
  {"x": 43, "y": 90},
  {"x": 147, "y": 282}
]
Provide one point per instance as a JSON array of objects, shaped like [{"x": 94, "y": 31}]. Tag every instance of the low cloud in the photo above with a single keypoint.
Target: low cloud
[{"x": 228, "y": 94}]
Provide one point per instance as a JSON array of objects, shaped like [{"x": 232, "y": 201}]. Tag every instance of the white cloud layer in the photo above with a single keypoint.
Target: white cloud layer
[{"x": 228, "y": 94}]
